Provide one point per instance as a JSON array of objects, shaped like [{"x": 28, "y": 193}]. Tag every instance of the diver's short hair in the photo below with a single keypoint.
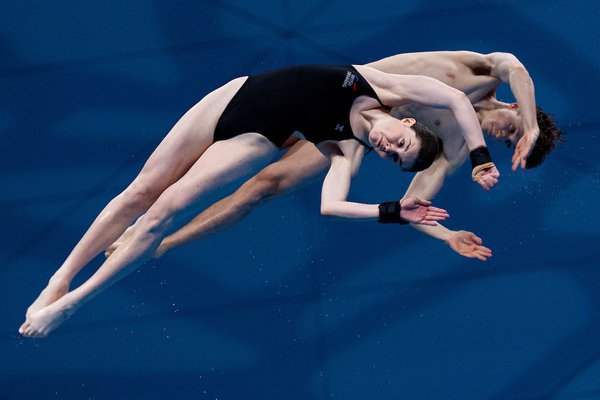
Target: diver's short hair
[
  {"x": 550, "y": 135},
  {"x": 431, "y": 147}
]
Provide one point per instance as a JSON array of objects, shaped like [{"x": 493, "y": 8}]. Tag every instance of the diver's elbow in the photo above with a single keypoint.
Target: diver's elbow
[{"x": 327, "y": 210}]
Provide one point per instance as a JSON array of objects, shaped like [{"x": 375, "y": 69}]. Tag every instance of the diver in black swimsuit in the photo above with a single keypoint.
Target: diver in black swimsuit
[
  {"x": 312, "y": 99},
  {"x": 336, "y": 107}
]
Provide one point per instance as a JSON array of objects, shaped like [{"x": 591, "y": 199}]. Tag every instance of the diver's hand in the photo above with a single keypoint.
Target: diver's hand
[
  {"x": 524, "y": 148},
  {"x": 417, "y": 211},
  {"x": 468, "y": 245},
  {"x": 486, "y": 177},
  {"x": 484, "y": 171}
]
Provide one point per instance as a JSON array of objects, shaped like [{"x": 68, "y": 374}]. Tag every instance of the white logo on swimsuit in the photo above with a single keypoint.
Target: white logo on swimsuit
[
  {"x": 339, "y": 128},
  {"x": 350, "y": 79}
]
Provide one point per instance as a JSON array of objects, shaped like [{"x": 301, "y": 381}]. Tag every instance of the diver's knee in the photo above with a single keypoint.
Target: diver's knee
[
  {"x": 261, "y": 188},
  {"x": 156, "y": 221},
  {"x": 139, "y": 195}
]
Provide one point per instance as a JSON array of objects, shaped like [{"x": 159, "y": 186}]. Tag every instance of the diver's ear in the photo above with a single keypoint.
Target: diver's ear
[{"x": 409, "y": 121}]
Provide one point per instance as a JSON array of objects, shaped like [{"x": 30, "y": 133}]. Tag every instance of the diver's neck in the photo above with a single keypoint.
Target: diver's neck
[
  {"x": 368, "y": 120},
  {"x": 490, "y": 104},
  {"x": 483, "y": 107}
]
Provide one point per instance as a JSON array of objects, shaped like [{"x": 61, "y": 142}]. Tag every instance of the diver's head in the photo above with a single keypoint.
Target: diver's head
[
  {"x": 503, "y": 124},
  {"x": 507, "y": 125},
  {"x": 406, "y": 142}
]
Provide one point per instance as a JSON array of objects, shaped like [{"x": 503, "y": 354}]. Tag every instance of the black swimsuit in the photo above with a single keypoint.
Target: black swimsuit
[{"x": 314, "y": 100}]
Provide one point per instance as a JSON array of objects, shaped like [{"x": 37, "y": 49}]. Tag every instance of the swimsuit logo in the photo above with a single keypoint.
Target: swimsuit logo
[
  {"x": 350, "y": 80},
  {"x": 339, "y": 128}
]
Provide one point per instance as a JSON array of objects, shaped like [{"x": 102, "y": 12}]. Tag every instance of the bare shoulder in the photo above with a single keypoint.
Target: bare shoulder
[
  {"x": 499, "y": 59},
  {"x": 382, "y": 80},
  {"x": 500, "y": 55},
  {"x": 492, "y": 64},
  {"x": 479, "y": 63},
  {"x": 349, "y": 148}
]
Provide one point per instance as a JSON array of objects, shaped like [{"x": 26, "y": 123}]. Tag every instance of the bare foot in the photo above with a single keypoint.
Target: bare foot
[
  {"x": 54, "y": 291},
  {"x": 119, "y": 242},
  {"x": 44, "y": 321}
]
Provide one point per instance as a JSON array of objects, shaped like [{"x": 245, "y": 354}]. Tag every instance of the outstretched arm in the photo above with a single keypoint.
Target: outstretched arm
[
  {"x": 510, "y": 70},
  {"x": 465, "y": 243},
  {"x": 335, "y": 193},
  {"x": 426, "y": 184}
]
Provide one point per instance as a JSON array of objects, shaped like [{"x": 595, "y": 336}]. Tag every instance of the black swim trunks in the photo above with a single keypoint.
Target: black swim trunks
[{"x": 314, "y": 100}]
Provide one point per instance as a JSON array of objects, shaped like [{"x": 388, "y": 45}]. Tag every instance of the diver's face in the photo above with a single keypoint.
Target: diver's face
[
  {"x": 395, "y": 140},
  {"x": 505, "y": 125}
]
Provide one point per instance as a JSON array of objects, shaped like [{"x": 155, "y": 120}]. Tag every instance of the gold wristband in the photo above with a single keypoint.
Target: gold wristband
[{"x": 480, "y": 168}]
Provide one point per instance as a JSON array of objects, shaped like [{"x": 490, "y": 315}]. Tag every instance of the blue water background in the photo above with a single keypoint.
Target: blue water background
[{"x": 288, "y": 304}]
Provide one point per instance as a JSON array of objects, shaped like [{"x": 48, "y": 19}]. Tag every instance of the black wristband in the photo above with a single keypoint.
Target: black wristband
[
  {"x": 479, "y": 156},
  {"x": 389, "y": 213}
]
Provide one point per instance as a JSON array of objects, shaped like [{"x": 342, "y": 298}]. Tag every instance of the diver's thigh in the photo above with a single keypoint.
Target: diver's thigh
[
  {"x": 189, "y": 138},
  {"x": 300, "y": 165}
]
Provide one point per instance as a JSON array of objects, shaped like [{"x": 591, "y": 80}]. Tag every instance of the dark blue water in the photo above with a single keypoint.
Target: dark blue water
[{"x": 288, "y": 304}]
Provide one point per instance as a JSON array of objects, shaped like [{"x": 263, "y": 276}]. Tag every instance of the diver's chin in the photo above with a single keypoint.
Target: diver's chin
[{"x": 374, "y": 138}]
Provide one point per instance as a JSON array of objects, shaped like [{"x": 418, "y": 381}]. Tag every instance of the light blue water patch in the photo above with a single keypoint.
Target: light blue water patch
[
  {"x": 548, "y": 13},
  {"x": 270, "y": 253},
  {"x": 146, "y": 69},
  {"x": 29, "y": 188},
  {"x": 68, "y": 39},
  {"x": 567, "y": 212},
  {"x": 433, "y": 330},
  {"x": 578, "y": 384},
  {"x": 115, "y": 127},
  {"x": 4, "y": 123}
]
